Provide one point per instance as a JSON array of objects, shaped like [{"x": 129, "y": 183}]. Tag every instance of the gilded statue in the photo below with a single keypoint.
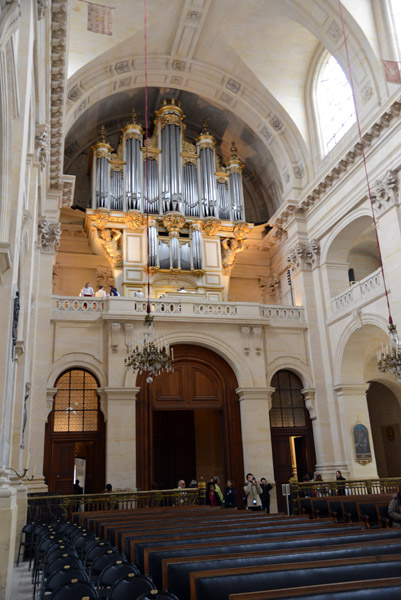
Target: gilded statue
[
  {"x": 110, "y": 241},
  {"x": 230, "y": 248}
]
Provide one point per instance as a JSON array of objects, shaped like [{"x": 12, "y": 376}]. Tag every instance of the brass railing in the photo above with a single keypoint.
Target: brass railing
[
  {"x": 352, "y": 487},
  {"x": 48, "y": 507}
]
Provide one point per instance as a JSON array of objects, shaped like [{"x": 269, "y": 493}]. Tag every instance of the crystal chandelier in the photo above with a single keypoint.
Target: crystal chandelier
[
  {"x": 389, "y": 357},
  {"x": 152, "y": 355}
]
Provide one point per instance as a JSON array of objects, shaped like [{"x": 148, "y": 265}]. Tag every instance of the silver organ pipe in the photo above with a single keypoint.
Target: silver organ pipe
[
  {"x": 174, "y": 251},
  {"x": 236, "y": 200},
  {"x": 223, "y": 200},
  {"x": 171, "y": 168},
  {"x": 133, "y": 181},
  {"x": 102, "y": 182},
  {"x": 191, "y": 195},
  {"x": 153, "y": 245},
  {"x": 116, "y": 190},
  {"x": 208, "y": 183},
  {"x": 196, "y": 246},
  {"x": 151, "y": 186}
]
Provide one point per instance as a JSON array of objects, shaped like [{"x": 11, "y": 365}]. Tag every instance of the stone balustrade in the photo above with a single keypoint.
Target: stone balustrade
[
  {"x": 63, "y": 307},
  {"x": 359, "y": 293}
]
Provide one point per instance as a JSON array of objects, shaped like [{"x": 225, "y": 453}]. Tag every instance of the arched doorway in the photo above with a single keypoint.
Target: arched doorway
[
  {"x": 188, "y": 422},
  {"x": 75, "y": 435},
  {"x": 385, "y": 419},
  {"x": 291, "y": 430}
]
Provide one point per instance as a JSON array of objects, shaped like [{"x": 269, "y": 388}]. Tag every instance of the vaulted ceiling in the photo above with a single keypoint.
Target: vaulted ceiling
[{"x": 246, "y": 65}]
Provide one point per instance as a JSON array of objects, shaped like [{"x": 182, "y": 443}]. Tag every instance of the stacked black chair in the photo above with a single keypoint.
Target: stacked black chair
[
  {"x": 26, "y": 540},
  {"x": 112, "y": 573},
  {"x": 131, "y": 587},
  {"x": 74, "y": 590},
  {"x": 156, "y": 595}
]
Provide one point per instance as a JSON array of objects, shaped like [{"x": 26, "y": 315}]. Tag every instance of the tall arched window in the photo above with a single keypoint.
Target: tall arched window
[
  {"x": 288, "y": 406},
  {"x": 334, "y": 102},
  {"x": 76, "y": 403}
]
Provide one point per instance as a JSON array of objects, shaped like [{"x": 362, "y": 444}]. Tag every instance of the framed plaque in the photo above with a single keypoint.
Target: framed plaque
[{"x": 363, "y": 454}]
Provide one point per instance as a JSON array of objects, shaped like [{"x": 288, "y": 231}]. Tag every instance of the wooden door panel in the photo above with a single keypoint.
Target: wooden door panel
[
  {"x": 203, "y": 386},
  {"x": 170, "y": 387},
  {"x": 173, "y": 447},
  {"x": 63, "y": 467},
  {"x": 282, "y": 465}
]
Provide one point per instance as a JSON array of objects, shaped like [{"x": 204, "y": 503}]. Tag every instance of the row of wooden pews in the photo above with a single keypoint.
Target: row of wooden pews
[{"x": 204, "y": 553}]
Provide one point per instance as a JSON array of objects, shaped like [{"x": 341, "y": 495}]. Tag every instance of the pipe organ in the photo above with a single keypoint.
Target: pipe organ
[
  {"x": 189, "y": 197},
  {"x": 172, "y": 175}
]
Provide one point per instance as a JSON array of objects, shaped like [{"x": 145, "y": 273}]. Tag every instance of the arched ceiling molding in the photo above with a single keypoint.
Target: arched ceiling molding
[
  {"x": 290, "y": 363},
  {"x": 78, "y": 360},
  {"x": 322, "y": 18},
  {"x": 256, "y": 107},
  {"x": 359, "y": 219},
  {"x": 339, "y": 353}
]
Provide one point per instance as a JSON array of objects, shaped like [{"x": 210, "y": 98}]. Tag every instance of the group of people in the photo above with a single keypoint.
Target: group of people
[
  {"x": 256, "y": 494},
  {"x": 88, "y": 291}
]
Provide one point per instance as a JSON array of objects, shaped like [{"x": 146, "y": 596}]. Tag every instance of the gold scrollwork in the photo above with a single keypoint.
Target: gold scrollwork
[
  {"x": 173, "y": 221},
  {"x": 134, "y": 219},
  {"x": 241, "y": 230},
  {"x": 211, "y": 225}
]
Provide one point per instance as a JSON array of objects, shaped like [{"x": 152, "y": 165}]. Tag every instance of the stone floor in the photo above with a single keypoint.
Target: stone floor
[{"x": 21, "y": 586}]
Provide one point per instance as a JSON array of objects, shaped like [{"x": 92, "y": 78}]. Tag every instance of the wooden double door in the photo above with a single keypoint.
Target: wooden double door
[{"x": 188, "y": 422}]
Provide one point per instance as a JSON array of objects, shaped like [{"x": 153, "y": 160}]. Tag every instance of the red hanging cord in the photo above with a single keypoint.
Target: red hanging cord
[
  {"x": 146, "y": 160},
  {"x": 390, "y": 320}
]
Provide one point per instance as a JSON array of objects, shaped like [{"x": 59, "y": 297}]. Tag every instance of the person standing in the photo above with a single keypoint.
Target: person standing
[
  {"x": 252, "y": 491},
  {"x": 216, "y": 481},
  {"x": 101, "y": 293},
  {"x": 340, "y": 486},
  {"x": 394, "y": 509},
  {"x": 87, "y": 290},
  {"x": 230, "y": 495},
  {"x": 212, "y": 497},
  {"x": 265, "y": 495},
  {"x": 113, "y": 291}
]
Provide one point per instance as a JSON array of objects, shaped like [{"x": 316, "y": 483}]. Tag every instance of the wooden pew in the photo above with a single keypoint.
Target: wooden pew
[
  {"x": 134, "y": 547},
  {"x": 175, "y": 571},
  {"x": 379, "y": 589},
  {"x": 219, "y": 584}
]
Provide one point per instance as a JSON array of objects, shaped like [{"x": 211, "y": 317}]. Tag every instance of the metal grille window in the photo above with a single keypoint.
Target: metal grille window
[
  {"x": 288, "y": 406},
  {"x": 76, "y": 403}
]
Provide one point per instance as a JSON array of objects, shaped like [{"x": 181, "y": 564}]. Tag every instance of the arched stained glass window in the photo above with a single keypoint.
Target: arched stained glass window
[
  {"x": 76, "y": 403},
  {"x": 335, "y": 103},
  {"x": 288, "y": 405}
]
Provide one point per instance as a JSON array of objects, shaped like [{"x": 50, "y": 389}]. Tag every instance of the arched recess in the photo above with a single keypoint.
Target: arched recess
[
  {"x": 75, "y": 435},
  {"x": 352, "y": 255},
  {"x": 188, "y": 422},
  {"x": 291, "y": 431},
  {"x": 385, "y": 419}
]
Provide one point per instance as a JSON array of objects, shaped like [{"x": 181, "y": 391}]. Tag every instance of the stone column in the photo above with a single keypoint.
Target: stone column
[
  {"x": 22, "y": 507},
  {"x": 353, "y": 408},
  {"x": 8, "y": 531},
  {"x": 119, "y": 407},
  {"x": 255, "y": 404}
]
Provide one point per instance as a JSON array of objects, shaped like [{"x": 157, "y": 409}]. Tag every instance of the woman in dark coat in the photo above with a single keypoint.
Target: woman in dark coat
[
  {"x": 230, "y": 495},
  {"x": 212, "y": 497},
  {"x": 265, "y": 495}
]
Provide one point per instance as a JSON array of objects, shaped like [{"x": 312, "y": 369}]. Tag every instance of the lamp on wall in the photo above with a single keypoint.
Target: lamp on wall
[
  {"x": 152, "y": 355},
  {"x": 389, "y": 357}
]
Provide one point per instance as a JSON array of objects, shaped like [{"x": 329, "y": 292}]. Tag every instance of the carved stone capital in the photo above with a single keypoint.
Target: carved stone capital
[
  {"x": 129, "y": 336},
  {"x": 303, "y": 256},
  {"x": 385, "y": 192},
  {"x": 48, "y": 236},
  {"x": 41, "y": 7},
  {"x": 114, "y": 336}
]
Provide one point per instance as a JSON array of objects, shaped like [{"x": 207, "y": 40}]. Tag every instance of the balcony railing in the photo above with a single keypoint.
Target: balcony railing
[
  {"x": 49, "y": 507},
  {"x": 359, "y": 293},
  {"x": 186, "y": 308},
  {"x": 352, "y": 487}
]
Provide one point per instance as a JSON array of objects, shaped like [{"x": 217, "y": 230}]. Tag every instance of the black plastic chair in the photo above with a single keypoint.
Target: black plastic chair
[
  {"x": 74, "y": 590},
  {"x": 156, "y": 595},
  {"x": 131, "y": 587},
  {"x": 25, "y": 540},
  {"x": 103, "y": 561},
  {"x": 99, "y": 550},
  {"x": 60, "y": 578},
  {"x": 112, "y": 573}
]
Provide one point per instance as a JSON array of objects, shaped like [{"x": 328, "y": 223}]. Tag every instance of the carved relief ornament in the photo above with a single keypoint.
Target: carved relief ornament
[
  {"x": 385, "y": 191},
  {"x": 134, "y": 219},
  {"x": 48, "y": 236},
  {"x": 304, "y": 256},
  {"x": 173, "y": 221},
  {"x": 211, "y": 225}
]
